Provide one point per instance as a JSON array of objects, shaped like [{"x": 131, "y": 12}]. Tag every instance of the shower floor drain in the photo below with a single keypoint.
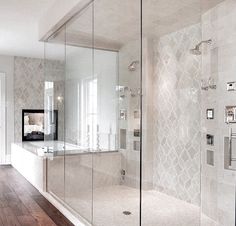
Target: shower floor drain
[{"x": 127, "y": 213}]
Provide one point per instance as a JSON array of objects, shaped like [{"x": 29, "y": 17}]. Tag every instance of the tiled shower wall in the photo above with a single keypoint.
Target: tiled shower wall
[
  {"x": 218, "y": 63},
  {"x": 29, "y": 88},
  {"x": 176, "y": 128}
]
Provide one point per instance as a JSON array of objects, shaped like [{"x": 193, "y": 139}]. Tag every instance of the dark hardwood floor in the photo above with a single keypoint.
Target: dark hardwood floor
[{"x": 22, "y": 205}]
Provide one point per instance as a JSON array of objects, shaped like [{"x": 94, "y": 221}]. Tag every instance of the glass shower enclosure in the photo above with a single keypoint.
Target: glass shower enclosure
[
  {"x": 93, "y": 82},
  {"x": 145, "y": 97}
]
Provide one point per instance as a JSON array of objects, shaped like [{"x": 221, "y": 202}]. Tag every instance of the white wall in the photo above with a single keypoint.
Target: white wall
[{"x": 7, "y": 66}]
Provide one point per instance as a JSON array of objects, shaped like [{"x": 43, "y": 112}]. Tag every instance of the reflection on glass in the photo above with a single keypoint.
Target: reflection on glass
[
  {"x": 89, "y": 113},
  {"x": 80, "y": 114},
  {"x": 54, "y": 73}
]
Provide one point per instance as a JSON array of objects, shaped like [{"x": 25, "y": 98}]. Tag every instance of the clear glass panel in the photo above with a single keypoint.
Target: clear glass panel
[
  {"x": 171, "y": 113},
  {"x": 54, "y": 113},
  {"x": 117, "y": 68},
  {"x": 98, "y": 165},
  {"x": 183, "y": 138},
  {"x": 80, "y": 113}
]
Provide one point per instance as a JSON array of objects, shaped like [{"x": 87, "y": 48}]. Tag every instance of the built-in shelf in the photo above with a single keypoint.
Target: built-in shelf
[
  {"x": 210, "y": 157},
  {"x": 123, "y": 139}
]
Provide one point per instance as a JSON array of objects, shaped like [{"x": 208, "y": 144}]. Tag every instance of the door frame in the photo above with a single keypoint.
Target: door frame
[{"x": 2, "y": 118}]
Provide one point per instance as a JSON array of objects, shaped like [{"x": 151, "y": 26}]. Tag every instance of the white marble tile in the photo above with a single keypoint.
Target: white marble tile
[
  {"x": 29, "y": 77},
  {"x": 176, "y": 102}
]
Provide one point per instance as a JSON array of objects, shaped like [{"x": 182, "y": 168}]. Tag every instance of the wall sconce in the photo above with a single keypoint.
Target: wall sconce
[{"x": 59, "y": 99}]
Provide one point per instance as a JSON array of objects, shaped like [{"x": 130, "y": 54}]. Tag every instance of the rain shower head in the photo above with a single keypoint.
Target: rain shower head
[
  {"x": 133, "y": 65},
  {"x": 196, "y": 50}
]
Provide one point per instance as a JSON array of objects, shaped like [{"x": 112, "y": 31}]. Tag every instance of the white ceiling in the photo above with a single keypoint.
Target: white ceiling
[
  {"x": 117, "y": 22},
  {"x": 19, "y": 27}
]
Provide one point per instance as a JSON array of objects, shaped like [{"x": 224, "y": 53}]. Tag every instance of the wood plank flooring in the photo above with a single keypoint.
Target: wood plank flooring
[{"x": 22, "y": 205}]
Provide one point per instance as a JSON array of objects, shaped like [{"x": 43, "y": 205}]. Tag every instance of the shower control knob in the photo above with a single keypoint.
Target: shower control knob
[{"x": 231, "y": 86}]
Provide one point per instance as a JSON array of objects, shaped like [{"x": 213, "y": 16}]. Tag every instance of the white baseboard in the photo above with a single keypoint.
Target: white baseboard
[{"x": 7, "y": 160}]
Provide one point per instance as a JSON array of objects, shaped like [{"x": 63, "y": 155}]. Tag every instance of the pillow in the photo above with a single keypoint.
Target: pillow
[
  {"x": 26, "y": 120},
  {"x": 36, "y": 119}
]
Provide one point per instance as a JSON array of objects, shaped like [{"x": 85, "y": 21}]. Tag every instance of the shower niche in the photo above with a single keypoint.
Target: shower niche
[
  {"x": 229, "y": 153},
  {"x": 210, "y": 139},
  {"x": 210, "y": 113},
  {"x": 230, "y": 114}
]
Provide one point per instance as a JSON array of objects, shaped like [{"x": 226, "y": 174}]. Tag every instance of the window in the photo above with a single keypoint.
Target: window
[{"x": 89, "y": 120}]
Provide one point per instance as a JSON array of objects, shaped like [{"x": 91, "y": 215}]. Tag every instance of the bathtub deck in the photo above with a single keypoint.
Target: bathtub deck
[{"x": 22, "y": 205}]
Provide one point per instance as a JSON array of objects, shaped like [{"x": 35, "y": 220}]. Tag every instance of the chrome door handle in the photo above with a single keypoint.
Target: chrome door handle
[
  {"x": 231, "y": 136},
  {"x": 230, "y": 145}
]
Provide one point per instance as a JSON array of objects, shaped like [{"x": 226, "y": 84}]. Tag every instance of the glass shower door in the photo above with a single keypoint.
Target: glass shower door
[
  {"x": 145, "y": 93},
  {"x": 96, "y": 173},
  {"x": 54, "y": 69},
  {"x": 80, "y": 114},
  {"x": 117, "y": 67},
  {"x": 102, "y": 114}
]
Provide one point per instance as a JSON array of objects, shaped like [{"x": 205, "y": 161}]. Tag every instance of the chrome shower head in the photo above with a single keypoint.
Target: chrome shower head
[
  {"x": 133, "y": 65},
  {"x": 196, "y": 50}
]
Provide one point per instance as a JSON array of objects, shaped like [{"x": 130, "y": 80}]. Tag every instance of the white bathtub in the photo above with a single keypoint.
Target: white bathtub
[
  {"x": 41, "y": 147},
  {"x": 29, "y": 158},
  {"x": 24, "y": 158},
  {"x": 45, "y": 148}
]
